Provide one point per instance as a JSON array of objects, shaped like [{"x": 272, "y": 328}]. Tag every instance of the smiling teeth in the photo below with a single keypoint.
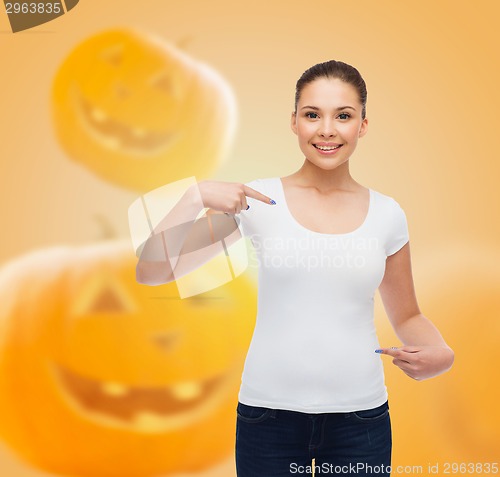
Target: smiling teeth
[
  {"x": 148, "y": 421},
  {"x": 185, "y": 391},
  {"x": 98, "y": 115},
  {"x": 114, "y": 389},
  {"x": 182, "y": 391},
  {"x": 325, "y": 148},
  {"x": 112, "y": 142},
  {"x": 139, "y": 132}
]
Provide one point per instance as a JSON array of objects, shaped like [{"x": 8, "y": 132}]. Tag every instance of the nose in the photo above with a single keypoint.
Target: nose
[{"x": 327, "y": 128}]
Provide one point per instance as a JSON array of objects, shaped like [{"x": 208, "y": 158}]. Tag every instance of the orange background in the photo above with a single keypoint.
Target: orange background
[{"x": 432, "y": 70}]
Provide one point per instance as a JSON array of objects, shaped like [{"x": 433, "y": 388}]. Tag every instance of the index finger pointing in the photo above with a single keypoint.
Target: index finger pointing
[
  {"x": 392, "y": 351},
  {"x": 255, "y": 194}
]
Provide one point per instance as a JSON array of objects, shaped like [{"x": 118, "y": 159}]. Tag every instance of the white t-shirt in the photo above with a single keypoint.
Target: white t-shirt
[{"x": 314, "y": 341}]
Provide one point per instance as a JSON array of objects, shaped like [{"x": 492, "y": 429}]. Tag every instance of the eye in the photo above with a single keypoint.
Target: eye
[
  {"x": 345, "y": 114},
  {"x": 310, "y": 112}
]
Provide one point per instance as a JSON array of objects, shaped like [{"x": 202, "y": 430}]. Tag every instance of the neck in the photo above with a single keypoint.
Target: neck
[{"x": 323, "y": 180}]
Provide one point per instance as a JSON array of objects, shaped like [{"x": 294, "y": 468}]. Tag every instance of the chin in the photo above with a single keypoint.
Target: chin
[{"x": 327, "y": 164}]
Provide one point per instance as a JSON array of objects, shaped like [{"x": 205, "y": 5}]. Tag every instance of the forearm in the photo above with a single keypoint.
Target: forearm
[
  {"x": 419, "y": 330},
  {"x": 181, "y": 242},
  {"x": 425, "y": 353},
  {"x": 167, "y": 238},
  {"x": 160, "y": 253}
]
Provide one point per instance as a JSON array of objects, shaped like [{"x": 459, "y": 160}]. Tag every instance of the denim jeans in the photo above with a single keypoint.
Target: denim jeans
[{"x": 276, "y": 442}]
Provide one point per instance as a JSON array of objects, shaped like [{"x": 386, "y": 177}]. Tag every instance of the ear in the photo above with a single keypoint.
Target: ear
[
  {"x": 293, "y": 122},
  {"x": 364, "y": 127}
]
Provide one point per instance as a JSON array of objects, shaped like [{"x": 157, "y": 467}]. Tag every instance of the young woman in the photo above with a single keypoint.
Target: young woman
[{"x": 313, "y": 382}]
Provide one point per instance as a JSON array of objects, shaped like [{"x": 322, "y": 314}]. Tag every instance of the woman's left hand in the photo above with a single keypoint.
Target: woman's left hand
[{"x": 421, "y": 362}]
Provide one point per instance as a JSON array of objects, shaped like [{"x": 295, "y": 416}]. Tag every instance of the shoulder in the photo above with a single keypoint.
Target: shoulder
[
  {"x": 262, "y": 180},
  {"x": 386, "y": 202},
  {"x": 392, "y": 219},
  {"x": 263, "y": 184},
  {"x": 389, "y": 212}
]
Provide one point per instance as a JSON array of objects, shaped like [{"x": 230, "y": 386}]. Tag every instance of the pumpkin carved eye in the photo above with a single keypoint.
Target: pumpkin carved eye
[
  {"x": 103, "y": 294},
  {"x": 107, "y": 302},
  {"x": 162, "y": 81},
  {"x": 113, "y": 55}
]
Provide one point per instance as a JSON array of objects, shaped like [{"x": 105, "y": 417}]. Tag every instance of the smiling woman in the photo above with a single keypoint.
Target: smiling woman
[
  {"x": 313, "y": 376},
  {"x": 312, "y": 371}
]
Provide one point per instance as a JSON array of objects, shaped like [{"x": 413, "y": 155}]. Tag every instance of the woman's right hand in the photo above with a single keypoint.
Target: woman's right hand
[{"x": 228, "y": 197}]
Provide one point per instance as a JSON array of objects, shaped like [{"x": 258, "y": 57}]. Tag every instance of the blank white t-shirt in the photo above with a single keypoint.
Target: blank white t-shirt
[{"x": 314, "y": 341}]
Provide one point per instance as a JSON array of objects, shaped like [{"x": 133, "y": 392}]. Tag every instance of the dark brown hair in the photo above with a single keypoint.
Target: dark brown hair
[{"x": 333, "y": 69}]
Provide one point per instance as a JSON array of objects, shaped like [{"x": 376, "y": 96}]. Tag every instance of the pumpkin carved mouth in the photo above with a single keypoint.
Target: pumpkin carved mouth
[
  {"x": 116, "y": 135},
  {"x": 151, "y": 409}
]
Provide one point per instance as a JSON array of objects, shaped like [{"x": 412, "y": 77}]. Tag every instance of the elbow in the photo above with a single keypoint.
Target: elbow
[
  {"x": 140, "y": 278},
  {"x": 447, "y": 360},
  {"x": 144, "y": 276},
  {"x": 142, "y": 281},
  {"x": 451, "y": 358}
]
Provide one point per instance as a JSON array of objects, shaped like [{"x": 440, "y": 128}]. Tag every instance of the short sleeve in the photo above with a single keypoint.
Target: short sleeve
[{"x": 398, "y": 235}]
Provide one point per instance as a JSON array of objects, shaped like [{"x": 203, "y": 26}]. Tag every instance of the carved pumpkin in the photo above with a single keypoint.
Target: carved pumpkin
[
  {"x": 451, "y": 417},
  {"x": 100, "y": 375},
  {"x": 139, "y": 112}
]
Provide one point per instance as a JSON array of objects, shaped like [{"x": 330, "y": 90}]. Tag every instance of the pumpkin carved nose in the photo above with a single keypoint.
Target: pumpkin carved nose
[
  {"x": 121, "y": 91},
  {"x": 166, "y": 340}
]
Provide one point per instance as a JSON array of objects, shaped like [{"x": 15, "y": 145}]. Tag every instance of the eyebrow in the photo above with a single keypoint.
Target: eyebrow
[{"x": 318, "y": 109}]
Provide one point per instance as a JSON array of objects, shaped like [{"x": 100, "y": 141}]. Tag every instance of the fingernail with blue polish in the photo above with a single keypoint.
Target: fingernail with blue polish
[
  {"x": 378, "y": 351},
  {"x": 247, "y": 207},
  {"x": 272, "y": 202}
]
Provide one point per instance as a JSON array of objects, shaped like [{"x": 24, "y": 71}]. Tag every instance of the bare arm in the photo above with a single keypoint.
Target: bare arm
[
  {"x": 181, "y": 243},
  {"x": 168, "y": 252},
  {"x": 425, "y": 353}
]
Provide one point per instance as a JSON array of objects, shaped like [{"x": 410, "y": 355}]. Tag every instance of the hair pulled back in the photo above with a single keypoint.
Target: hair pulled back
[{"x": 334, "y": 69}]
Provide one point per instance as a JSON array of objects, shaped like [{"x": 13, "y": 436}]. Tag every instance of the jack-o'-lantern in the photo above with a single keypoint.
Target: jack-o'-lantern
[
  {"x": 141, "y": 113},
  {"x": 101, "y": 375},
  {"x": 451, "y": 417}
]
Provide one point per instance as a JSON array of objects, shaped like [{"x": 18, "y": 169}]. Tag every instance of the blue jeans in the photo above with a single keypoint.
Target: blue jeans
[{"x": 276, "y": 442}]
